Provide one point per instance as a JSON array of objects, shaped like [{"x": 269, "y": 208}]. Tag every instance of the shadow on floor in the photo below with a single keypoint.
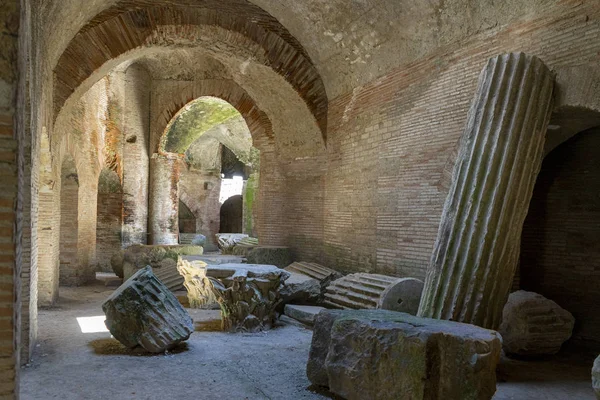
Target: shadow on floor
[{"x": 112, "y": 347}]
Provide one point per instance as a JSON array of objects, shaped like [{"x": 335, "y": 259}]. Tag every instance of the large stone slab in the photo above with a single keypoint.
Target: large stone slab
[
  {"x": 534, "y": 325},
  {"x": 272, "y": 255},
  {"x": 143, "y": 312},
  {"x": 247, "y": 293},
  {"x": 380, "y": 354},
  {"x": 304, "y": 314},
  {"x": 596, "y": 377}
]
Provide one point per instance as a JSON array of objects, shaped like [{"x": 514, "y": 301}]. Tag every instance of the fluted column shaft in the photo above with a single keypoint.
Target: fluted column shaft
[{"x": 477, "y": 248}]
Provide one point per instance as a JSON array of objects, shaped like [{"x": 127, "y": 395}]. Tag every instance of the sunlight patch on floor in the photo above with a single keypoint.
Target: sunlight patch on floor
[{"x": 92, "y": 324}]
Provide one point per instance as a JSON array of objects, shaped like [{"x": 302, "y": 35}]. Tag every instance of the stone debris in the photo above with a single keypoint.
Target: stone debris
[
  {"x": 301, "y": 289},
  {"x": 162, "y": 259},
  {"x": 226, "y": 241},
  {"x": 534, "y": 325},
  {"x": 143, "y": 312},
  {"x": 596, "y": 377},
  {"x": 243, "y": 247},
  {"x": 304, "y": 314},
  {"x": 370, "y": 291},
  {"x": 314, "y": 270},
  {"x": 199, "y": 288},
  {"x": 116, "y": 262},
  {"x": 247, "y": 293},
  {"x": 279, "y": 256},
  {"x": 380, "y": 354},
  {"x": 194, "y": 239}
]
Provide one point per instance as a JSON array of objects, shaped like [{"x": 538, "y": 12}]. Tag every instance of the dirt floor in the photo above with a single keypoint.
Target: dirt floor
[{"x": 69, "y": 364}]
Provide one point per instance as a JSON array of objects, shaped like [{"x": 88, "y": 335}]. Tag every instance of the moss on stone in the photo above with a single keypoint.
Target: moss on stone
[{"x": 199, "y": 117}]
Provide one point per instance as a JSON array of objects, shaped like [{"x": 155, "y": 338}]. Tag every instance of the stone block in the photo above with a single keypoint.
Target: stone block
[
  {"x": 534, "y": 325},
  {"x": 247, "y": 293},
  {"x": 279, "y": 256},
  {"x": 380, "y": 354},
  {"x": 143, "y": 312},
  {"x": 300, "y": 289},
  {"x": 304, "y": 314},
  {"x": 116, "y": 262}
]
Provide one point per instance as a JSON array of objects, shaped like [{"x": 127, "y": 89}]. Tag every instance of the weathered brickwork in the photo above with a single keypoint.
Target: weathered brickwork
[
  {"x": 390, "y": 142},
  {"x": 136, "y": 121},
  {"x": 110, "y": 219},
  {"x": 560, "y": 248},
  {"x": 69, "y": 201},
  {"x": 200, "y": 192}
]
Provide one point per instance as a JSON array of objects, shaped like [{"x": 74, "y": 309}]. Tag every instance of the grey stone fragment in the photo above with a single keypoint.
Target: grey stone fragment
[
  {"x": 116, "y": 262},
  {"x": 380, "y": 354},
  {"x": 304, "y": 314},
  {"x": 272, "y": 255},
  {"x": 534, "y": 325},
  {"x": 143, "y": 312},
  {"x": 596, "y": 377},
  {"x": 300, "y": 289}
]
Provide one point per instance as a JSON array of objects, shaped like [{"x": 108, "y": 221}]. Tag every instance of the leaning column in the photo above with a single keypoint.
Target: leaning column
[
  {"x": 164, "y": 199},
  {"x": 477, "y": 248}
]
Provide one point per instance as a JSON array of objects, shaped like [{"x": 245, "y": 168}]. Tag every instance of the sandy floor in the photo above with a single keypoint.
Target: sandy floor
[{"x": 69, "y": 364}]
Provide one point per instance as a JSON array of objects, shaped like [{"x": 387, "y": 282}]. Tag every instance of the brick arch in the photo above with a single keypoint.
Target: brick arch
[
  {"x": 118, "y": 31},
  {"x": 258, "y": 122}
]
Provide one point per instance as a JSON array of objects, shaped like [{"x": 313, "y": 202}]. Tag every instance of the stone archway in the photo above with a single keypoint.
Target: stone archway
[
  {"x": 560, "y": 247},
  {"x": 232, "y": 215}
]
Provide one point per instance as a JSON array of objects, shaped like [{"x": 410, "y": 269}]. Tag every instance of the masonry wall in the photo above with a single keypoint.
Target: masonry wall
[
  {"x": 560, "y": 249},
  {"x": 69, "y": 193},
  {"x": 391, "y": 142},
  {"x": 108, "y": 228},
  {"x": 200, "y": 192},
  {"x": 136, "y": 120}
]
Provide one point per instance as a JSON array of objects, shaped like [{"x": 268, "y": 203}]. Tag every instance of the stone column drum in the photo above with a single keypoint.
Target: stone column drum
[
  {"x": 477, "y": 248},
  {"x": 163, "y": 220}
]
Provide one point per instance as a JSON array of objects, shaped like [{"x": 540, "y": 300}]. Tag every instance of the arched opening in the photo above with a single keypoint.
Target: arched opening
[
  {"x": 560, "y": 247},
  {"x": 187, "y": 220},
  {"x": 109, "y": 217},
  {"x": 231, "y": 215},
  {"x": 213, "y": 146},
  {"x": 69, "y": 223}
]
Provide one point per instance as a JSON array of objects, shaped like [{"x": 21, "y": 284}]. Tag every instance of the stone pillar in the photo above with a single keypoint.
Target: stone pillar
[
  {"x": 136, "y": 128},
  {"x": 164, "y": 199},
  {"x": 87, "y": 224},
  {"x": 477, "y": 248}
]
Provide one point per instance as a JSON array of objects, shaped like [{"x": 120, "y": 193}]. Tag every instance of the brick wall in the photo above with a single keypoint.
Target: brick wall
[
  {"x": 136, "y": 120},
  {"x": 389, "y": 142},
  {"x": 109, "y": 214},
  {"x": 560, "y": 249},
  {"x": 69, "y": 193}
]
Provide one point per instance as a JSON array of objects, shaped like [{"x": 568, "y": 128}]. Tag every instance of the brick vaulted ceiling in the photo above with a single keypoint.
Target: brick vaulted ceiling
[{"x": 131, "y": 25}]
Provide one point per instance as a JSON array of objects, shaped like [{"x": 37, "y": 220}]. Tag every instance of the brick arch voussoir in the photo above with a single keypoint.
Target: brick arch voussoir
[{"x": 125, "y": 29}]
